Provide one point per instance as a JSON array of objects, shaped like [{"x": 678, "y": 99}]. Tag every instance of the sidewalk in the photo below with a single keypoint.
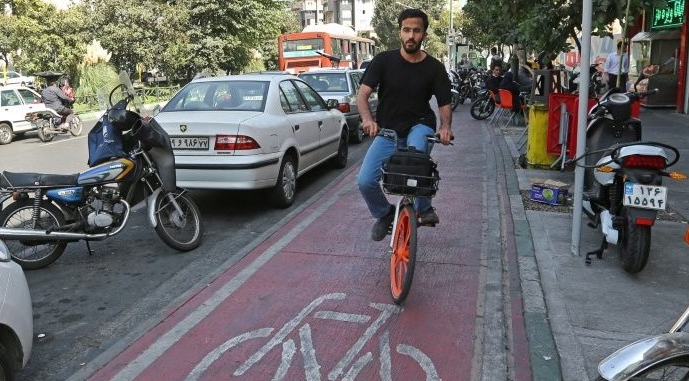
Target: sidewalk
[{"x": 595, "y": 310}]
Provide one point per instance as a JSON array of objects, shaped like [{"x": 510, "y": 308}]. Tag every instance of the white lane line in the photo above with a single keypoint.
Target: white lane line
[{"x": 168, "y": 339}]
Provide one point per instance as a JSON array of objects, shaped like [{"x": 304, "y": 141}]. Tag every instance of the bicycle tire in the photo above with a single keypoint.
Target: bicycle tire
[{"x": 403, "y": 258}]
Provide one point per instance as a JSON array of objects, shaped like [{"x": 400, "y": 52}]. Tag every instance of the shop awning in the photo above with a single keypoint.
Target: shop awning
[{"x": 657, "y": 35}]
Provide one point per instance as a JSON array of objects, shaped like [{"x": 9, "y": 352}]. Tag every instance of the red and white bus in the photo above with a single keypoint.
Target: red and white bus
[{"x": 323, "y": 46}]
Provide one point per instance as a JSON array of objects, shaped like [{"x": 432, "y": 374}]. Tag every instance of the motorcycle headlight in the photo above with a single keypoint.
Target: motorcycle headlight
[{"x": 4, "y": 252}]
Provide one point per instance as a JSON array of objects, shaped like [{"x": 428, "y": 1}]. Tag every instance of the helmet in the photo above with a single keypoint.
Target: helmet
[{"x": 122, "y": 119}]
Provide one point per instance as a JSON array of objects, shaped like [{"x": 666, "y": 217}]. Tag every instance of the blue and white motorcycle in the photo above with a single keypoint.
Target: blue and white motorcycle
[{"x": 51, "y": 210}]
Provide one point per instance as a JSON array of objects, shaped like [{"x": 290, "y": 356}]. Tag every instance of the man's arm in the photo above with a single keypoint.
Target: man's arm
[
  {"x": 445, "y": 130},
  {"x": 367, "y": 122}
]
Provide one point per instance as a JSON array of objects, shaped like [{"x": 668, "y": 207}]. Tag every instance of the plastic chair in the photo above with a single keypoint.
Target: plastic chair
[
  {"x": 497, "y": 112},
  {"x": 504, "y": 107}
]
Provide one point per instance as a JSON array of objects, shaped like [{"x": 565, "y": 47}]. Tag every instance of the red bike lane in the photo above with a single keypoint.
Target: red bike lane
[{"x": 312, "y": 302}]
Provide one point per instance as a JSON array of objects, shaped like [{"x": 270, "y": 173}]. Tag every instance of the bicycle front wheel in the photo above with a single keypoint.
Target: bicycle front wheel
[{"x": 403, "y": 258}]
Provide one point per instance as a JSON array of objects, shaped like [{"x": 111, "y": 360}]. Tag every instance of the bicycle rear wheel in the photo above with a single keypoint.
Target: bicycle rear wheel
[{"x": 403, "y": 258}]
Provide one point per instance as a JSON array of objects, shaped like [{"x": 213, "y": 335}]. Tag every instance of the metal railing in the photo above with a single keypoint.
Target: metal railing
[{"x": 99, "y": 102}]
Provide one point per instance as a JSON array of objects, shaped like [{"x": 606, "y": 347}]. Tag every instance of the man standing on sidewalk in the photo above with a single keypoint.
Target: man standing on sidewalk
[{"x": 406, "y": 78}]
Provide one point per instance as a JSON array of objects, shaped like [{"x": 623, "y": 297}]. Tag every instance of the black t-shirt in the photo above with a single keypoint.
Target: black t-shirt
[{"x": 405, "y": 89}]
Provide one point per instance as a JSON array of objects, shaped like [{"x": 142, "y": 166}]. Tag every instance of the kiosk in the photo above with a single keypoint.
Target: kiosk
[{"x": 654, "y": 64}]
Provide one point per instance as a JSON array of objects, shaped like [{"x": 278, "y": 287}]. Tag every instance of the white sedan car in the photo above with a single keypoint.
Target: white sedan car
[
  {"x": 252, "y": 131},
  {"x": 14, "y": 78},
  {"x": 15, "y": 103},
  {"x": 16, "y": 317}
]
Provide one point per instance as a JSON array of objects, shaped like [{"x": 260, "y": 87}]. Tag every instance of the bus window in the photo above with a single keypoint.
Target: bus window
[{"x": 301, "y": 48}]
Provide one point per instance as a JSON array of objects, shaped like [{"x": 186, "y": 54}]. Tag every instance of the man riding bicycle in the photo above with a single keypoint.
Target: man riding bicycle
[{"x": 406, "y": 79}]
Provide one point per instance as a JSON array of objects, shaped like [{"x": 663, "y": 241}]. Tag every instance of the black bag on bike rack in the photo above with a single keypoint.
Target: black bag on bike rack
[{"x": 410, "y": 172}]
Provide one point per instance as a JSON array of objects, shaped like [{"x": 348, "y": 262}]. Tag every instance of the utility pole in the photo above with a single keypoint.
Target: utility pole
[{"x": 450, "y": 40}]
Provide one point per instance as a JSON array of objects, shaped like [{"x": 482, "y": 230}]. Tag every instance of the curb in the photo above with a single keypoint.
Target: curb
[{"x": 543, "y": 354}]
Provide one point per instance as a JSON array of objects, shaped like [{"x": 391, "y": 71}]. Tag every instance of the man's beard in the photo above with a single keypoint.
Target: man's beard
[{"x": 413, "y": 48}]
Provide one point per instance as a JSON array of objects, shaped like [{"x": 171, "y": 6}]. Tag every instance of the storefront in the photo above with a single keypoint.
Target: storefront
[{"x": 658, "y": 55}]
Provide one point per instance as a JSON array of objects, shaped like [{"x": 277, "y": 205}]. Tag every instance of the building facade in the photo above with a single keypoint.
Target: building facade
[{"x": 355, "y": 13}]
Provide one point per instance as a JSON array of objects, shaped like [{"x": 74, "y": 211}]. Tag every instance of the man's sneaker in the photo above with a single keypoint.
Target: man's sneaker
[
  {"x": 382, "y": 225},
  {"x": 429, "y": 217}
]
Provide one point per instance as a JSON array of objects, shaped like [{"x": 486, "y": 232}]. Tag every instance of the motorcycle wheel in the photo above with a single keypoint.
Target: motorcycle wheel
[
  {"x": 76, "y": 126},
  {"x": 634, "y": 244},
  {"x": 463, "y": 94},
  {"x": 44, "y": 131},
  {"x": 482, "y": 108},
  {"x": 455, "y": 101},
  {"x": 181, "y": 231},
  {"x": 32, "y": 255}
]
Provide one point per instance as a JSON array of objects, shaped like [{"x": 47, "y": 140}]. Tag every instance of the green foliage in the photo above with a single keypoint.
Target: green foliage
[
  {"x": 541, "y": 25},
  {"x": 384, "y": 21},
  {"x": 178, "y": 37},
  {"x": 100, "y": 78}
]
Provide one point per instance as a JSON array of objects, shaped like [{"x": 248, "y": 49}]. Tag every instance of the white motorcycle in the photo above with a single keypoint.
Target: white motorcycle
[{"x": 623, "y": 190}]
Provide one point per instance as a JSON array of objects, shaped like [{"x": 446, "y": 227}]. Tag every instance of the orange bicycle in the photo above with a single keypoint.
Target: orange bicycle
[{"x": 409, "y": 174}]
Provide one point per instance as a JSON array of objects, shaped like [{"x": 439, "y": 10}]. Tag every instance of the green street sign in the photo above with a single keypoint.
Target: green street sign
[{"x": 670, "y": 16}]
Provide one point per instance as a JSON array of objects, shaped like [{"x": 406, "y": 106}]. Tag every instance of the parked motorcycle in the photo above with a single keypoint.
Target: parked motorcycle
[
  {"x": 469, "y": 82},
  {"x": 661, "y": 357},
  {"x": 483, "y": 106},
  {"x": 454, "y": 83},
  {"x": 49, "y": 123},
  {"x": 596, "y": 82},
  {"x": 51, "y": 210},
  {"x": 623, "y": 189}
]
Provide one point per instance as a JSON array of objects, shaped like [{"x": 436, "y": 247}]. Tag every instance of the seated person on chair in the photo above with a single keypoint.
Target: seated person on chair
[
  {"x": 494, "y": 79},
  {"x": 521, "y": 85}
]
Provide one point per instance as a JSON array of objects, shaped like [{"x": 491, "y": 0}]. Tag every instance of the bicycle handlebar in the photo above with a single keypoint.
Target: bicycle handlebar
[{"x": 392, "y": 134}]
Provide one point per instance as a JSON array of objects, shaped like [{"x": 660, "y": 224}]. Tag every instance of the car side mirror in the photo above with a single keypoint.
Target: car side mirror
[{"x": 332, "y": 103}]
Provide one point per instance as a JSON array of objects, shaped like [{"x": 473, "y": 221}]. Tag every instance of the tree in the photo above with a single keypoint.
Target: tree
[
  {"x": 384, "y": 21},
  {"x": 542, "y": 25}
]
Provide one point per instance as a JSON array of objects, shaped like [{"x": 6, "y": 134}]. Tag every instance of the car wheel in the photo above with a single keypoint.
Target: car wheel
[
  {"x": 283, "y": 193},
  {"x": 6, "y": 373},
  {"x": 359, "y": 134},
  {"x": 5, "y": 133},
  {"x": 339, "y": 161}
]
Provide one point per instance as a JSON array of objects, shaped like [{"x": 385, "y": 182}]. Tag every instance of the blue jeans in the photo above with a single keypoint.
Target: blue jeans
[{"x": 370, "y": 172}]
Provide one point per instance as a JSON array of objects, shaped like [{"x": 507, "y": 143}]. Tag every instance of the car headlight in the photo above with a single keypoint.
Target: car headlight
[{"x": 4, "y": 252}]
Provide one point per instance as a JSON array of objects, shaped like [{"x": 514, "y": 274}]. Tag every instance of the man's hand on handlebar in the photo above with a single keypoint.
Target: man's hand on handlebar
[
  {"x": 445, "y": 135},
  {"x": 370, "y": 127}
]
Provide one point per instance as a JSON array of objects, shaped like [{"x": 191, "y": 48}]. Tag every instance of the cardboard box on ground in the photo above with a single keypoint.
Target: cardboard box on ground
[{"x": 551, "y": 192}]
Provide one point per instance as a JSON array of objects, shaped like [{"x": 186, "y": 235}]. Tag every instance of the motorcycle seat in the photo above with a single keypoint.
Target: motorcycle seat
[{"x": 15, "y": 180}]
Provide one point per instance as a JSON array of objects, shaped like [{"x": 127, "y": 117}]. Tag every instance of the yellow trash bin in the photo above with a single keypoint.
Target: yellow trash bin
[{"x": 537, "y": 138}]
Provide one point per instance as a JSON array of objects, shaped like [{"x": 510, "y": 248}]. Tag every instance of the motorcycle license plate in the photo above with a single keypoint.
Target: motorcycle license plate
[
  {"x": 644, "y": 196},
  {"x": 189, "y": 142}
]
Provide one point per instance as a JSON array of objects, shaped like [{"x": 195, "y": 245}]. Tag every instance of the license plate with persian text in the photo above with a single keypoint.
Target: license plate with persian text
[
  {"x": 189, "y": 142},
  {"x": 645, "y": 196}
]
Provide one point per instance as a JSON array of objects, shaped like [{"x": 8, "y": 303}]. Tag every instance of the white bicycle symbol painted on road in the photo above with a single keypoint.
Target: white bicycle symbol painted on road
[{"x": 346, "y": 369}]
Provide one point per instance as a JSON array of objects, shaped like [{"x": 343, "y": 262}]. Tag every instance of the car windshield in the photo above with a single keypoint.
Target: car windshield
[
  {"x": 220, "y": 96},
  {"x": 325, "y": 82}
]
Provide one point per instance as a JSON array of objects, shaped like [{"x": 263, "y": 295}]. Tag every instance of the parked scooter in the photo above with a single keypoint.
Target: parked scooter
[
  {"x": 454, "y": 88},
  {"x": 49, "y": 123},
  {"x": 661, "y": 357},
  {"x": 623, "y": 189},
  {"x": 131, "y": 160}
]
